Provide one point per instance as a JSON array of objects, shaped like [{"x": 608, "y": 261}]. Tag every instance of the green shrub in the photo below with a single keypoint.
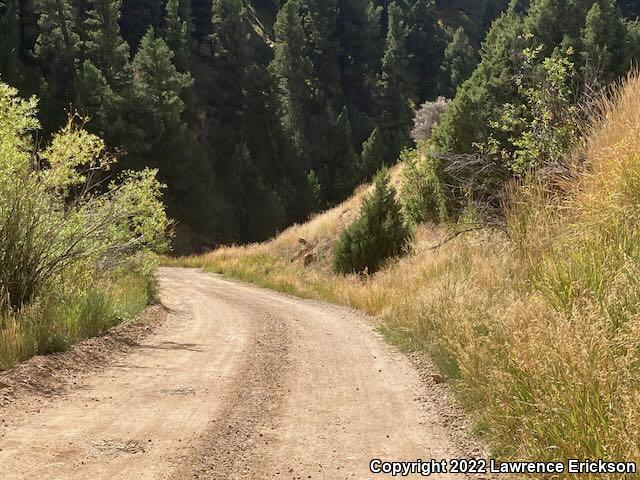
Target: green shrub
[
  {"x": 59, "y": 218},
  {"x": 379, "y": 233},
  {"x": 75, "y": 248},
  {"x": 422, "y": 189}
]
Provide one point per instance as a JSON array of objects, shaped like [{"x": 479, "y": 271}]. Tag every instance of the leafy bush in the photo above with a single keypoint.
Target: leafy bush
[
  {"x": 543, "y": 127},
  {"x": 59, "y": 215},
  {"x": 423, "y": 195},
  {"x": 379, "y": 233},
  {"x": 76, "y": 244}
]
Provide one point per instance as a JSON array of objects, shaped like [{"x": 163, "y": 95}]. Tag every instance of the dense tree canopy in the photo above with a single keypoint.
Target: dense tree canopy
[{"x": 258, "y": 112}]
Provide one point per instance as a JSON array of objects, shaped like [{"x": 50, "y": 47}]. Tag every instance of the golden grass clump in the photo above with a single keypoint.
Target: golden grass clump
[{"x": 538, "y": 331}]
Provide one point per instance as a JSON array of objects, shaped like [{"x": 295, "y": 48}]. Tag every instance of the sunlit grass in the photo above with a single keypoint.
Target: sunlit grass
[
  {"x": 55, "y": 322},
  {"x": 540, "y": 332}
]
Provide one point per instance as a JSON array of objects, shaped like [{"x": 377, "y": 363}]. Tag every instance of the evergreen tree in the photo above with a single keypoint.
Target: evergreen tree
[
  {"x": 373, "y": 153},
  {"x": 94, "y": 97},
  {"x": 460, "y": 59},
  {"x": 378, "y": 234},
  {"x": 229, "y": 59},
  {"x": 259, "y": 210},
  {"x": 158, "y": 91},
  {"x": 482, "y": 96},
  {"x": 396, "y": 85},
  {"x": 10, "y": 42},
  {"x": 358, "y": 26},
  {"x": 104, "y": 45},
  {"x": 345, "y": 167},
  {"x": 319, "y": 19},
  {"x": 604, "y": 47},
  {"x": 292, "y": 66},
  {"x": 176, "y": 34},
  {"x": 554, "y": 26},
  {"x": 425, "y": 47},
  {"x": 57, "y": 46}
]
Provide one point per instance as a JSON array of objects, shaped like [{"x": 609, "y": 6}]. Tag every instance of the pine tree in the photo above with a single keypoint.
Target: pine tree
[
  {"x": 345, "y": 169},
  {"x": 158, "y": 91},
  {"x": 292, "y": 66},
  {"x": 425, "y": 46},
  {"x": 57, "y": 47},
  {"x": 396, "y": 86},
  {"x": 319, "y": 19},
  {"x": 358, "y": 26},
  {"x": 94, "y": 97},
  {"x": 373, "y": 153},
  {"x": 10, "y": 63},
  {"x": 604, "y": 48},
  {"x": 229, "y": 58},
  {"x": 259, "y": 210},
  {"x": 482, "y": 97},
  {"x": 176, "y": 34},
  {"x": 592, "y": 33},
  {"x": 104, "y": 45},
  {"x": 379, "y": 233},
  {"x": 460, "y": 59}
]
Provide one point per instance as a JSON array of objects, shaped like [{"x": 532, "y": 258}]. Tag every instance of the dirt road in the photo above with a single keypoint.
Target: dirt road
[{"x": 238, "y": 383}]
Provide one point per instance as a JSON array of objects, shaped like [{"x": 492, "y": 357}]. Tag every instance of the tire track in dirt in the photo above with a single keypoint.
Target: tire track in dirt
[{"x": 238, "y": 383}]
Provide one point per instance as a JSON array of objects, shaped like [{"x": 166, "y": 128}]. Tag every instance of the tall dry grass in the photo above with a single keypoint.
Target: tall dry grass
[{"x": 539, "y": 331}]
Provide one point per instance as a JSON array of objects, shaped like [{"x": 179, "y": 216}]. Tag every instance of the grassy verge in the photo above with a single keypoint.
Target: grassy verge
[
  {"x": 56, "y": 321},
  {"x": 538, "y": 331}
]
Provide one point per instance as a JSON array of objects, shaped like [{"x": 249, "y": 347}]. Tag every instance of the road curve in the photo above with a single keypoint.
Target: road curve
[{"x": 238, "y": 383}]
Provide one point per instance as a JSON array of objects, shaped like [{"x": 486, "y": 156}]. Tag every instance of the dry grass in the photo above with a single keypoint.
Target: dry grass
[{"x": 539, "y": 333}]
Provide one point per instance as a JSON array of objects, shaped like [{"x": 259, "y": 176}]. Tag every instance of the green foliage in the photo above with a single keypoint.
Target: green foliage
[
  {"x": 158, "y": 91},
  {"x": 176, "y": 34},
  {"x": 273, "y": 78},
  {"x": 57, "y": 48},
  {"x": 379, "y": 233},
  {"x": 605, "y": 45},
  {"x": 60, "y": 318},
  {"x": 373, "y": 153},
  {"x": 543, "y": 129},
  {"x": 423, "y": 193},
  {"x": 396, "y": 83},
  {"x": 292, "y": 66},
  {"x": 480, "y": 98},
  {"x": 460, "y": 59},
  {"x": 56, "y": 214},
  {"x": 358, "y": 32},
  {"x": 319, "y": 23},
  {"x": 426, "y": 41},
  {"x": 104, "y": 45},
  {"x": 345, "y": 161},
  {"x": 229, "y": 56},
  {"x": 595, "y": 32}
]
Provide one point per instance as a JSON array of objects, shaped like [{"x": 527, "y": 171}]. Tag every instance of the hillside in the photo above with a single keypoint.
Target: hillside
[{"x": 535, "y": 326}]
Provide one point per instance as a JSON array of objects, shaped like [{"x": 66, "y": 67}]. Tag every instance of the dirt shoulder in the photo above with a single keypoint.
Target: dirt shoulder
[{"x": 53, "y": 375}]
